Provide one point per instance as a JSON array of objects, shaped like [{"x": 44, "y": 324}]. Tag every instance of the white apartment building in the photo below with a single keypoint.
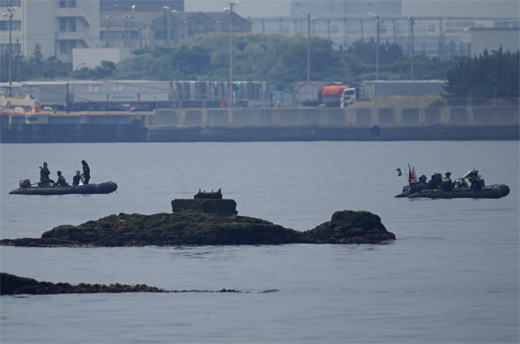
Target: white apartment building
[{"x": 58, "y": 26}]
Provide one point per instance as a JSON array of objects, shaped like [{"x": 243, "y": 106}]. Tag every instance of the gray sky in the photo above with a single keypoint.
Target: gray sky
[
  {"x": 463, "y": 8},
  {"x": 458, "y": 8},
  {"x": 245, "y": 8}
]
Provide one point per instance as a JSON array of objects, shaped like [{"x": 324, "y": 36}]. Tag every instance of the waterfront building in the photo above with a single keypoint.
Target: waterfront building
[{"x": 57, "y": 26}]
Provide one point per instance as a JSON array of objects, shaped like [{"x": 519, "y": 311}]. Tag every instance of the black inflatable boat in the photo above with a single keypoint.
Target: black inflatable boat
[
  {"x": 491, "y": 191},
  {"x": 102, "y": 188}
]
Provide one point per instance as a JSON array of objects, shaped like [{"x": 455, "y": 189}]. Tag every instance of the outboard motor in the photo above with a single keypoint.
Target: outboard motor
[
  {"x": 470, "y": 173},
  {"x": 25, "y": 183},
  {"x": 473, "y": 180}
]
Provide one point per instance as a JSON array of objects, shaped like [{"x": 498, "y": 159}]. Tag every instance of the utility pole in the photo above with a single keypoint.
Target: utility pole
[
  {"x": 9, "y": 14},
  {"x": 231, "y": 4},
  {"x": 378, "y": 21},
  {"x": 412, "y": 22},
  {"x": 308, "y": 45},
  {"x": 167, "y": 21}
]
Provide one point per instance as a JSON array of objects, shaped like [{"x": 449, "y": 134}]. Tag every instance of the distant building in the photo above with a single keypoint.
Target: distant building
[
  {"x": 58, "y": 26},
  {"x": 140, "y": 5},
  {"x": 493, "y": 39},
  {"x": 441, "y": 37},
  {"x": 134, "y": 29},
  {"x": 341, "y": 8}
]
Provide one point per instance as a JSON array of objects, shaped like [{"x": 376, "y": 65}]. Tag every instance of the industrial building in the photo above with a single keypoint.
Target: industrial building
[{"x": 59, "y": 26}]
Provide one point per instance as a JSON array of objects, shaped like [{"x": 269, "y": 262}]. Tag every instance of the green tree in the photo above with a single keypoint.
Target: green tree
[
  {"x": 486, "y": 75},
  {"x": 106, "y": 70},
  {"x": 36, "y": 57},
  {"x": 367, "y": 51}
]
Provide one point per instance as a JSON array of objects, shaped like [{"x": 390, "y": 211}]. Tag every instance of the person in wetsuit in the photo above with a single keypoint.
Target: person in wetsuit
[
  {"x": 45, "y": 181},
  {"x": 420, "y": 185},
  {"x": 86, "y": 172},
  {"x": 435, "y": 182},
  {"x": 61, "y": 180},
  {"x": 76, "y": 179},
  {"x": 446, "y": 184}
]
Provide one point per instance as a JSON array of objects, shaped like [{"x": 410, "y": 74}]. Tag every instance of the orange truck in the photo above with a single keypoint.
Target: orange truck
[{"x": 338, "y": 95}]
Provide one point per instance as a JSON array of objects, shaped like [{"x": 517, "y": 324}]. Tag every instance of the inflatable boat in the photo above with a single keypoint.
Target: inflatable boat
[
  {"x": 491, "y": 191},
  {"x": 102, "y": 188},
  {"x": 471, "y": 185}
]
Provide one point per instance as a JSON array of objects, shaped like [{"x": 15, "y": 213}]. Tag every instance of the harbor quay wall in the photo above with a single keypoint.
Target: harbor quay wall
[
  {"x": 298, "y": 124},
  {"x": 39, "y": 128},
  {"x": 370, "y": 124}
]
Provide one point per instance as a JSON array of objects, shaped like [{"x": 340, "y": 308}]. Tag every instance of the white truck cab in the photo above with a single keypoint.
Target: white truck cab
[{"x": 348, "y": 97}]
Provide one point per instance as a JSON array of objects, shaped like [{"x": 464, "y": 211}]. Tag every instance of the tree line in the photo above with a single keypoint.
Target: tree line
[{"x": 282, "y": 61}]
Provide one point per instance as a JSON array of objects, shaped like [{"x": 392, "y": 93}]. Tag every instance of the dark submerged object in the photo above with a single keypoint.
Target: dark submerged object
[
  {"x": 471, "y": 185},
  {"x": 101, "y": 188}
]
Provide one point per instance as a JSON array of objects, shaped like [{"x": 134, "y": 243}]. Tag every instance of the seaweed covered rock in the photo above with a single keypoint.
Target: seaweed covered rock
[
  {"x": 182, "y": 228},
  {"x": 349, "y": 227},
  {"x": 208, "y": 220},
  {"x": 198, "y": 228},
  {"x": 14, "y": 285}
]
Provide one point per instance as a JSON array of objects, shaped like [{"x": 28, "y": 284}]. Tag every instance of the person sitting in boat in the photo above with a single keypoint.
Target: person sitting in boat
[
  {"x": 76, "y": 179},
  {"x": 477, "y": 183},
  {"x": 86, "y": 172},
  {"x": 61, "y": 180},
  {"x": 435, "y": 181},
  {"x": 446, "y": 184},
  {"x": 420, "y": 185},
  {"x": 45, "y": 181}
]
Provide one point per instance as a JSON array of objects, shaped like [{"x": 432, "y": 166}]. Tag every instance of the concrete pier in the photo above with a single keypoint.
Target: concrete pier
[{"x": 299, "y": 124}]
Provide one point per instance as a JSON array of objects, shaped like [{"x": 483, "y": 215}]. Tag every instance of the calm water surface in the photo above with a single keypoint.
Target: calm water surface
[{"x": 452, "y": 275}]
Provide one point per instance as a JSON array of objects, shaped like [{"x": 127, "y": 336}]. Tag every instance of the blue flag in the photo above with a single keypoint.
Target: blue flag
[{"x": 399, "y": 173}]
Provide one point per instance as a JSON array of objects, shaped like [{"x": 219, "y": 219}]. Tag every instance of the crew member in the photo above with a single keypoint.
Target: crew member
[
  {"x": 435, "y": 182},
  {"x": 44, "y": 176},
  {"x": 86, "y": 172},
  {"x": 446, "y": 184},
  {"x": 61, "y": 180},
  {"x": 76, "y": 179}
]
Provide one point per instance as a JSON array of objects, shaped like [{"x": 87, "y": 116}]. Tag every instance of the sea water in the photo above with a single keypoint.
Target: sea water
[{"x": 452, "y": 275}]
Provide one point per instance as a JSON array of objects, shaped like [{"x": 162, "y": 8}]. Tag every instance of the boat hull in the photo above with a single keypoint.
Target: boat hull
[
  {"x": 102, "y": 188},
  {"x": 491, "y": 191}
]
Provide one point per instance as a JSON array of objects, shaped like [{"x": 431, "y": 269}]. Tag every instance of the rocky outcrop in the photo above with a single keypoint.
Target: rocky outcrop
[
  {"x": 349, "y": 227},
  {"x": 208, "y": 219},
  {"x": 14, "y": 285},
  {"x": 199, "y": 228}
]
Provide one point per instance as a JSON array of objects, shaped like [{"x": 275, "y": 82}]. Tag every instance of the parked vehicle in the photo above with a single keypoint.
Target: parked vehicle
[
  {"x": 348, "y": 96},
  {"x": 142, "y": 95},
  {"x": 328, "y": 94},
  {"x": 307, "y": 93},
  {"x": 332, "y": 95}
]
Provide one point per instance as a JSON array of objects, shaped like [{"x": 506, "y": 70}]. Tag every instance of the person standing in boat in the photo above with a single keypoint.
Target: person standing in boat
[
  {"x": 446, "y": 184},
  {"x": 61, "y": 180},
  {"x": 76, "y": 179},
  {"x": 86, "y": 172},
  {"x": 44, "y": 176}
]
